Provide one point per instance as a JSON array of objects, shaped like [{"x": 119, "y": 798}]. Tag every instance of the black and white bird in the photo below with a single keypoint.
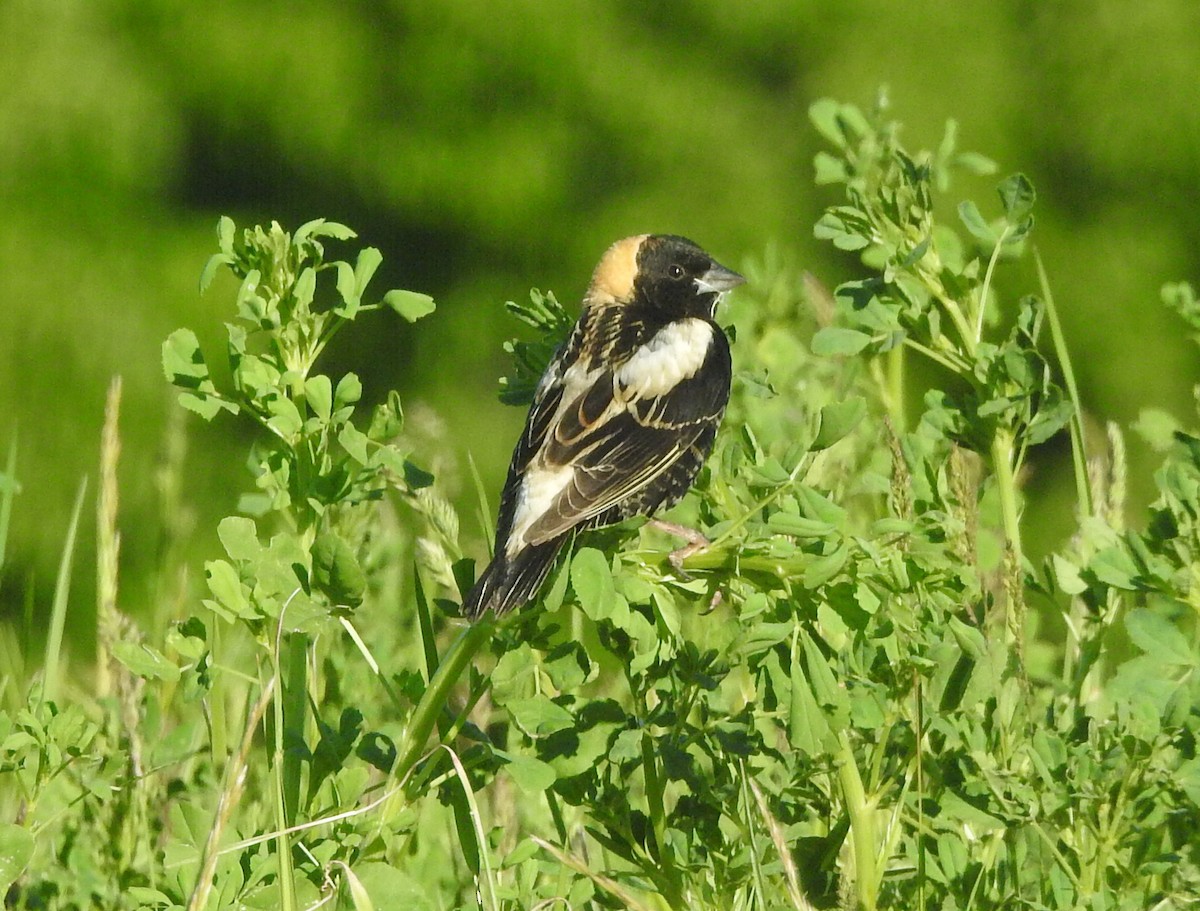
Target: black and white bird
[{"x": 624, "y": 415}]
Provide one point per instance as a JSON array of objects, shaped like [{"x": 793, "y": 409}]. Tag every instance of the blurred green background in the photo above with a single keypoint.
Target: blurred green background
[{"x": 488, "y": 148}]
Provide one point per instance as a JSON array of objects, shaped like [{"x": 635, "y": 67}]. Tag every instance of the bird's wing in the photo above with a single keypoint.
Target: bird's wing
[
  {"x": 547, "y": 399},
  {"x": 608, "y": 441}
]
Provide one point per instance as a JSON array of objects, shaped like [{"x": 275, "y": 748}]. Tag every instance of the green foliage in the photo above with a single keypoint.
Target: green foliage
[
  {"x": 853, "y": 697},
  {"x": 545, "y": 315}
]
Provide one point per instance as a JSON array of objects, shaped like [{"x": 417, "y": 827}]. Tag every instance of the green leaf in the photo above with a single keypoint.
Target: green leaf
[
  {"x": 844, "y": 236},
  {"x": 230, "y": 597},
  {"x": 411, "y": 305},
  {"x": 188, "y": 639},
  {"x": 514, "y": 675},
  {"x": 824, "y": 685},
  {"x": 349, "y": 391},
  {"x": 828, "y": 169},
  {"x": 820, "y": 507},
  {"x": 354, "y": 441},
  {"x": 305, "y": 289},
  {"x": 16, "y": 850},
  {"x": 823, "y": 113},
  {"x": 1066, "y": 574},
  {"x": 211, "y": 267},
  {"x": 970, "y": 216},
  {"x": 239, "y": 537},
  {"x": 284, "y": 417},
  {"x": 824, "y": 568},
  {"x": 226, "y": 230},
  {"x": 250, "y": 306},
  {"x": 364, "y": 268},
  {"x": 416, "y": 477},
  {"x": 969, "y": 638},
  {"x": 319, "y": 392},
  {"x": 808, "y": 731},
  {"x": 184, "y": 366},
  {"x": 183, "y": 362},
  {"x": 1159, "y": 638},
  {"x": 837, "y": 341},
  {"x": 567, "y": 666},
  {"x": 394, "y": 888},
  {"x": 1187, "y": 777},
  {"x": 319, "y": 227},
  {"x": 532, "y": 776},
  {"x": 145, "y": 661},
  {"x": 347, "y": 288},
  {"x": 538, "y": 716},
  {"x": 358, "y": 892},
  {"x": 837, "y": 122},
  {"x": 1113, "y": 566},
  {"x": 1017, "y": 195},
  {"x": 1158, "y": 428},
  {"x": 784, "y": 523},
  {"x": 837, "y": 420},
  {"x": 592, "y": 580},
  {"x": 336, "y": 570},
  {"x": 974, "y": 163},
  {"x": 1181, "y": 297}
]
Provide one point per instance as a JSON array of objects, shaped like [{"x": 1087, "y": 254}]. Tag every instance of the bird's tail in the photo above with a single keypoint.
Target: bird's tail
[{"x": 509, "y": 582}]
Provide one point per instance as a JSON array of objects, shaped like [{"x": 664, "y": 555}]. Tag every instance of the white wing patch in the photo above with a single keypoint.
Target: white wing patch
[
  {"x": 541, "y": 485},
  {"x": 539, "y": 489},
  {"x": 672, "y": 355}
]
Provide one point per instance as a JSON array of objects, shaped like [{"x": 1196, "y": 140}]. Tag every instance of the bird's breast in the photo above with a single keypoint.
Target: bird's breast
[{"x": 673, "y": 354}]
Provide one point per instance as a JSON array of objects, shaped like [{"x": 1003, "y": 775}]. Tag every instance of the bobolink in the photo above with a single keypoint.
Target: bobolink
[{"x": 624, "y": 415}]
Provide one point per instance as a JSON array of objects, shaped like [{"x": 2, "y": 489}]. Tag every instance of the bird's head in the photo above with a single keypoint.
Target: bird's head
[{"x": 662, "y": 271}]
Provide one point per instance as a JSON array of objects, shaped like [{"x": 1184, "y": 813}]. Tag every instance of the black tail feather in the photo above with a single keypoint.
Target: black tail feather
[{"x": 509, "y": 582}]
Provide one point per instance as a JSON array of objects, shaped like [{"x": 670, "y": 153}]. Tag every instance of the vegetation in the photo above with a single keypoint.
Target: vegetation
[
  {"x": 865, "y": 693},
  {"x": 486, "y": 157}
]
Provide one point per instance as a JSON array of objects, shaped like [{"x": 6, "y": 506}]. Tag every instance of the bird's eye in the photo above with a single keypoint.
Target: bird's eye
[{"x": 675, "y": 271}]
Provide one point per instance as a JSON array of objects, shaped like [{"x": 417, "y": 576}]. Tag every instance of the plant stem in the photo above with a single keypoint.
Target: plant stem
[
  {"x": 895, "y": 388},
  {"x": 654, "y": 799},
  {"x": 283, "y": 846},
  {"x": 1006, "y": 486},
  {"x": 233, "y": 782},
  {"x": 1083, "y": 490},
  {"x": 457, "y": 659},
  {"x": 862, "y": 825}
]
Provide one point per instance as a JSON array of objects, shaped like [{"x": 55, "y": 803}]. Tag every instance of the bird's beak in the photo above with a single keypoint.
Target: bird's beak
[{"x": 718, "y": 280}]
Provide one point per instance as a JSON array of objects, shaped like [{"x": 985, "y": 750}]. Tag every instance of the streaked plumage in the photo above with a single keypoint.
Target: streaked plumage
[{"x": 624, "y": 415}]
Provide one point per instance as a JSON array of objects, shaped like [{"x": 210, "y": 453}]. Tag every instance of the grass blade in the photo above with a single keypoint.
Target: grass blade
[
  {"x": 607, "y": 883},
  {"x": 484, "y": 860},
  {"x": 108, "y": 541},
  {"x": 485, "y": 511},
  {"x": 425, "y": 619},
  {"x": 795, "y": 892},
  {"x": 8, "y": 491},
  {"x": 1083, "y": 490},
  {"x": 62, "y": 591}
]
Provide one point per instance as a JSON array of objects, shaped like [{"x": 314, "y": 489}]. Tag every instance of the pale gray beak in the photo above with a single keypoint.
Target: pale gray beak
[{"x": 718, "y": 280}]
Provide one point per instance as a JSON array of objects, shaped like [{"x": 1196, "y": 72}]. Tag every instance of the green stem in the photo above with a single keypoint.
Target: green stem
[
  {"x": 981, "y": 309},
  {"x": 283, "y": 842},
  {"x": 425, "y": 716},
  {"x": 1006, "y": 486},
  {"x": 862, "y": 825},
  {"x": 799, "y": 471},
  {"x": 654, "y": 799},
  {"x": 294, "y": 696},
  {"x": 895, "y": 389},
  {"x": 1083, "y": 490},
  {"x": 951, "y": 360},
  {"x": 930, "y": 277}
]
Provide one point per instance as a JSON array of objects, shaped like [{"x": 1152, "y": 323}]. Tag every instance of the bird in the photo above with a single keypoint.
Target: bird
[{"x": 624, "y": 415}]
